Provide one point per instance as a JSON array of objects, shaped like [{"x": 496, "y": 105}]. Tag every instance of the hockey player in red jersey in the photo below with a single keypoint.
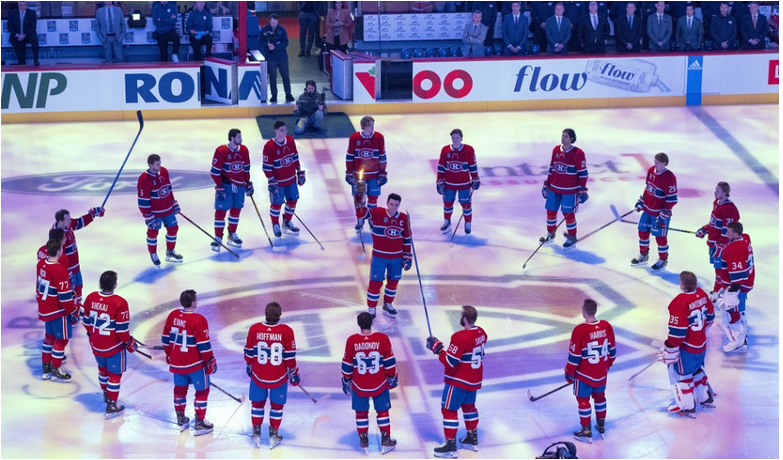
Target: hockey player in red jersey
[
  {"x": 457, "y": 176},
  {"x": 655, "y": 204},
  {"x": 158, "y": 206},
  {"x": 565, "y": 187},
  {"x": 366, "y": 157},
  {"x": 107, "y": 319},
  {"x": 369, "y": 371},
  {"x": 724, "y": 212},
  {"x": 591, "y": 353},
  {"x": 738, "y": 272},
  {"x": 59, "y": 235},
  {"x": 56, "y": 308},
  {"x": 391, "y": 253},
  {"x": 231, "y": 174},
  {"x": 62, "y": 219},
  {"x": 285, "y": 176},
  {"x": 464, "y": 372},
  {"x": 188, "y": 351},
  {"x": 270, "y": 354},
  {"x": 690, "y": 314}
]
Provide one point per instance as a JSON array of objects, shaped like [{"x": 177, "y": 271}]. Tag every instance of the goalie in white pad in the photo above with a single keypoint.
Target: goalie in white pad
[{"x": 732, "y": 321}]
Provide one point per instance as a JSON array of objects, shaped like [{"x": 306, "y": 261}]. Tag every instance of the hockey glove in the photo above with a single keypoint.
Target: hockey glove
[
  {"x": 350, "y": 178},
  {"x": 382, "y": 178},
  {"x": 669, "y": 355},
  {"x": 582, "y": 195},
  {"x": 702, "y": 232},
  {"x": 300, "y": 177},
  {"x": 729, "y": 301},
  {"x": 476, "y": 184},
  {"x": 545, "y": 190},
  {"x": 249, "y": 370},
  {"x": 249, "y": 190},
  {"x": 639, "y": 206},
  {"x": 666, "y": 213},
  {"x": 407, "y": 261},
  {"x": 569, "y": 378},
  {"x": 347, "y": 386},
  {"x": 168, "y": 359},
  {"x": 97, "y": 212},
  {"x": 272, "y": 186},
  {"x": 211, "y": 366},
  {"x": 440, "y": 186},
  {"x": 663, "y": 217},
  {"x": 220, "y": 193},
  {"x": 434, "y": 344},
  {"x": 293, "y": 376},
  {"x": 73, "y": 318},
  {"x": 175, "y": 205},
  {"x": 392, "y": 382},
  {"x": 152, "y": 222},
  {"x": 131, "y": 345}
]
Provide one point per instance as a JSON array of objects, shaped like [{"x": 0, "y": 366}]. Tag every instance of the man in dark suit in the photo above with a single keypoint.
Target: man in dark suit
[
  {"x": 723, "y": 31},
  {"x": 659, "y": 29},
  {"x": 21, "y": 25},
  {"x": 110, "y": 29},
  {"x": 690, "y": 31},
  {"x": 628, "y": 31},
  {"x": 558, "y": 31},
  {"x": 515, "y": 30},
  {"x": 593, "y": 30},
  {"x": 753, "y": 29}
]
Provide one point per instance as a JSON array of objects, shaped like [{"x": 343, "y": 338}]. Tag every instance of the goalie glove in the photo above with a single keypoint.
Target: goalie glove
[
  {"x": 702, "y": 232},
  {"x": 382, "y": 178},
  {"x": 300, "y": 177},
  {"x": 440, "y": 186},
  {"x": 545, "y": 190},
  {"x": 639, "y": 206},
  {"x": 435, "y": 345},
  {"x": 407, "y": 261},
  {"x": 668, "y": 355},
  {"x": 293, "y": 376},
  {"x": 97, "y": 212},
  {"x": 249, "y": 190},
  {"x": 347, "y": 386},
  {"x": 220, "y": 193}
]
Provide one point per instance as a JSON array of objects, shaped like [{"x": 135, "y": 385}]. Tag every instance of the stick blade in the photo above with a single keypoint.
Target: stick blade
[
  {"x": 141, "y": 119},
  {"x": 614, "y": 211},
  {"x": 530, "y": 395}
]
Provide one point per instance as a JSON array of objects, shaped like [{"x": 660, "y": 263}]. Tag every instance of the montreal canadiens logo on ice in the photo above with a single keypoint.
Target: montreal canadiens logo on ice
[{"x": 98, "y": 182}]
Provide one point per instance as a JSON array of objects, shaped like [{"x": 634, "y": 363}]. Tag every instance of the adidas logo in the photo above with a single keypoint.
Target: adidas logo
[{"x": 695, "y": 66}]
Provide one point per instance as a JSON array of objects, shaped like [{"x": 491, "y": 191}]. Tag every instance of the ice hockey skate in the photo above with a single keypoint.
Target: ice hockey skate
[
  {"x": 183, "y": 422},
  {"x": 570, "y": 242},
  {"x": 234, "y": 240},
  {"x": 113, "y": 410},
  {"x": 371, "y": 311},
  {"x": 468, "y": 227},
  {"x": 708, "y": 403},
  {"x": 659, "y": 265},
  {"x": 155, "y": 260},
  {"x": 364, "y": 442},
  {"x": 106, "y": 397},
  {"x": 59, "y": 375},
  {"x": 675, "y": 409},
  {"x": 202, "y": 426},
  {"x": 584, "y": 435},
  {"x": 274, "y": 438},
  {"x": 389, "y": 310},
  {"x": 446, "y": 227},
  {"x": 446, "y": 450},
  {"x": 46, "y": 372},
  {"x": 276, "y": 230},
  {"x": 600, "y": 427},
  {"x": 387, "y": 444},
  {"x": 173, "y": 256},
  {"x": 639, "y": 260},
  {"x": 290, "y": 228},
  {"x": 470, "y": 441},
  {"x": 216, "y": 245},
  {"x": 256, "y": 437},
  {"x": 550, "y": 237},
  {"x": 739, "y": 347}
]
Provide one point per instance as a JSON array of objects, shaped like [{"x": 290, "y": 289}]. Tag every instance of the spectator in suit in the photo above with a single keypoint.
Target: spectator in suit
[
  {"x": 628, "y": 31},
  {"x": 659, "y": 29},
  {"x": 110, "y": 28},
  {"x": 677, "y": 10},
  {"x": 164, "y": 17},
  {"x": 646, "y": 10},
  {"x": 617, "y": 11},
  {"x": 723, "y": 31},
  {"x": 539, "y": 13},
  {"x": 558, "y": 31},
  {"x": 199, "y": 27},
  {"x": 754, "y": 28},
  {"x": 593, "y": 30},
  {"x": 574, "y": 11},
  {"x": 274, "y": 41},
  {"x": 489, "y": 14},
  {"x": 473, "y": 37},
  {"x": 690, "y": 31},
  {"x": 339, "y": 26},
  {"x": 515, "y": 30},
  {"x": 22, "y": 25}
]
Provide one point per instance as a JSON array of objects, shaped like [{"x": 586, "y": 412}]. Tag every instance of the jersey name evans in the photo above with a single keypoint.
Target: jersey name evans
[
  {"x": 597, "y": 335},
  {"x": 263, "y": 336},
  {"x": 367, "y": 346}
]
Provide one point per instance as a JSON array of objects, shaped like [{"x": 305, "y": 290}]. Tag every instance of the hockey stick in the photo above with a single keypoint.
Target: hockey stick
[
  {"x": 262, "y": 221},
  {"x": 643, "y": 369},
  {"x": 669, "y": 228},
  {"x": 210, "y": 236},
  {"x": 548, "y": 235},
  {"x": 143, "y": 354},
  {"x": 620, "y": 218},
  {"x": 141, "y": 126},
  {"x": 418, "y": 275},
  {"x": 606, "y": 225},
  {"x": 240, "y": 401},
  {"x": 303, "y": 224},
  {"x": 306, "y": 393},
  {"x": 151, "y": 347},
  {"x": 363, "y": 255},
  {"x": 536, "y": 398},
  {"x": 451, "y": 241}
]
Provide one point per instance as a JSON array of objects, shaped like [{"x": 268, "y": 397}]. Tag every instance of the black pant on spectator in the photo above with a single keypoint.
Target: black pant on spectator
[
  {"x": 206, "y": 40},
  {"x": 307, "y": 26},
  {"x": 19, "y": 47},
  {"x": 271, "y": 68},
  {"x": 163, "y": 43}
]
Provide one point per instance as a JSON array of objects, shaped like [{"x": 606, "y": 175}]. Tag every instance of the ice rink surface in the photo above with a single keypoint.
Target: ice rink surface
[{"x": 528, "y": 314}]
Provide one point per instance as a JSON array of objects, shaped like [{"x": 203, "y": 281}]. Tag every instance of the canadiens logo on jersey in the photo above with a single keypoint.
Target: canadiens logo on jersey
[
  {"x": 365, "y": 153},
  {"x": 287, "y": 160},
  {"x": 560, "y": 167},
  {"x": 236, "y": 167},
  {"x": 393, "y": 232},
  {"x": 455, "y": 166},
  {"x": 164, "y": 191}
]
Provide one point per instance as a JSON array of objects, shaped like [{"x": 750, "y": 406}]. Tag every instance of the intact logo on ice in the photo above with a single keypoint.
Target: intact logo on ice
[{"x": 98, "y": 182}]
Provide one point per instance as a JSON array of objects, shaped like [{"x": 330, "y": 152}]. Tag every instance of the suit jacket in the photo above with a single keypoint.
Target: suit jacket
[
  {"x": 747, "y": 31},
  {"x": 515, "y": 35},
  {"x": 28, "y": 28},
  {"x": 659, "y": 32},
  {"x": 593, "y": 40},
  {"x": 474, "y": 39},
  {"x": 102, "y": 23},
  {"x": 346, "y": 30},
  {"x": 555, "y": 35},
  {"x": 689, "y": 38},
  {"x": 628, "y": 34}
]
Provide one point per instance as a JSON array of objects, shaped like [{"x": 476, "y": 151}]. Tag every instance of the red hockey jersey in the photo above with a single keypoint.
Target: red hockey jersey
[
  {"x": 53, "y": 291},
  {"x": 464, "y": 359},
  {"x": 689, "y": 315},
  {"x": 567, "y": 170},
  {"x": 368, "y": 360},
  {"x": 107, "y": 319},
  {"x": 230, "y": 167},
  {"x": 722, "y": 215},
  {"x": 186, "y": 341},
  {"x": 281, "y": 161},
  {"x": 42, "y": 254},
  {"x": 271, "y": 350},
  {"x": 660, "y": 192},
  {"x": 591, "y": 352},
  {"x": 155, "y": 195},
  {"x": 391, "y": 235},
  {"x": 71, "y": 250},
  {"x": 366, "y": 154},
  {"x": 737, "y": 265},
  {"x": 457, "y": 168}
]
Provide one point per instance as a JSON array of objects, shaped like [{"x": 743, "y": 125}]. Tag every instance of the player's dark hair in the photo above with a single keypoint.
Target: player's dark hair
[
  {"x": 56, "y": 234},
  {"x": 571, "y": 133},
  {"x": 278, "y": 124},
  {"x": 273, "y": 16},
  {"x": 187, "y": 298},
  {"x": 310, "y": 83},
  {"x": 153, "y": 158},
  {"x": 590, "y": 307},
  {"x": 52, "y": 246},
  {"x": 273, "y": 311},
  {"x": 457, "y": 130},
  {"x": 725, "y": 187},
  {"x": 662, "y": 157},
  {"x": 59, "y": 216},
  {"x": 365, "y": 121},
  {"x": 232, "y": 133},
  {"x": 469, "y": 313},
  {"x": 364, "y": 320},
  {"x": 108, "y": 281},
  {"x": 688, "y": 281},
  {"x": 736, "y": 227},
  {"x": 394, "y": 196}
]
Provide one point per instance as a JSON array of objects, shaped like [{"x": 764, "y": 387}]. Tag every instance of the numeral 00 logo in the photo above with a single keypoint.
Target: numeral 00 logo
[{"x": 447, "y": 84}]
